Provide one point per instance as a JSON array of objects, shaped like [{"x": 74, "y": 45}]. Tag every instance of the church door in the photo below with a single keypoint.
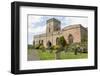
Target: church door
[{"x": 49, "y": 44}]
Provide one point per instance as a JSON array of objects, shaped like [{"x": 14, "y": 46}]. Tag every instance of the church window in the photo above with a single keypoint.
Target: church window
[
  {"x": 42, "y": 42},
  {"x": 49, "y": 29},
  {"x": 70, "y": 38},
  {"x": 57, "y": 41}
]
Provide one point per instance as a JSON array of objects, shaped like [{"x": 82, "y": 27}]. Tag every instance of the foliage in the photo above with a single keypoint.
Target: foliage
[
  {"x": 42, "y": 48},
  {"x": 84, "y": 38},
  {"x": 71, "y": 47},
  {"x": 37, "y": 46},
  {"x": 84, "y": 45},
  {"x": 80, "y": 46},
  {"x": 55, "y": 47},
  {"x": 62, "y": 41},
  {"x": 30, "y": 47}
]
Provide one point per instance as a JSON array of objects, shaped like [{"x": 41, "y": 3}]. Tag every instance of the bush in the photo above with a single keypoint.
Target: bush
[
  {"x": 30, "y": 47},
  {"x": 52, "y": 47},
  {"x": 55, "y": 47},
  {"x": 85, "y": 50},
  {"x": 66, "y": 48},
  {"x": 85, "y": 47},
  {"x": 37, "y": 46},
  {"x": 72, "y": 47},
  {"x": 42, "y": 48}
]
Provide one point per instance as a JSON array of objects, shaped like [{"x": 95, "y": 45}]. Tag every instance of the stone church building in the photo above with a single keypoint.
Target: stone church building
[{"x": 72, "y": 33}]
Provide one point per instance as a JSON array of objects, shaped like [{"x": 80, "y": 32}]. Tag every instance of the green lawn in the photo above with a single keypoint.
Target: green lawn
[
  {"x": 68, "y": 55},
  {"x": 71, "y": 55},
  {"x": 46, "y": 55}
]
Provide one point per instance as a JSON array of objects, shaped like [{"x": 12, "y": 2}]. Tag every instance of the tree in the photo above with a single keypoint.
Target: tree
[
  {"x": 84, "y": 38},
  {"x": 84, "y": 43},
  {"x": 62, "y": 41},
  {"x": 61, "y": 44}
]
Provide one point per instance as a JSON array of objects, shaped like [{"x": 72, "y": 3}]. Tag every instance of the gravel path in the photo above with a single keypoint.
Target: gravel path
[{"x": 33, "y": 55}]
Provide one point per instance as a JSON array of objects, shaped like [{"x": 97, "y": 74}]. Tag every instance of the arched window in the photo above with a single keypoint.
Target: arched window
[
  {"x": 70, "y": 38},
  {"x": 49, "y": 29},
  {"x": 42, "y": 42},
  {"x": 39, "y": 41},
  {"x": 57, "y": 41},
  {"x": 34, "y": 42}
]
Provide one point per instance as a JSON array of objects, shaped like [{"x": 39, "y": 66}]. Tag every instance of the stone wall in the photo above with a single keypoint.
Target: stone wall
[
  {"x": 72, "y": 33},
  {"x": 77, "y": 33}
]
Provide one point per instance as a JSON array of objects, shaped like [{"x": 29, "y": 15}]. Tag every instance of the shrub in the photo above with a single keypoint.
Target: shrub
[
  {"x": 84, "y": 45},
  {"x": 30, "y": 47},
  {"x": 55, "y": 47},
  {"x": 42, "y": 48},
  {"x": 66, "y": 48},
  {"x": 71, "y": 47},
  {"x": 52, "y": 47},
  {"x": 37, "y": 46}
]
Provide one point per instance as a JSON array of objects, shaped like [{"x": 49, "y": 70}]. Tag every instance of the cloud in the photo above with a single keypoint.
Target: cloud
[
  {"x": 35, "y": 31},
  {"x": 32, "y": 18},
  {"x": 79, "y": 20}
]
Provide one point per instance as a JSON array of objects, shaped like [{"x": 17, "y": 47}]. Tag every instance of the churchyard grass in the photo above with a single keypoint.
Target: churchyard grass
[{"x": 63, "y": 55}]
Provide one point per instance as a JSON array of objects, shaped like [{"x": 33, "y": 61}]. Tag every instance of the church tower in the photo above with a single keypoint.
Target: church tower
[{"x": 53, "y": 25}]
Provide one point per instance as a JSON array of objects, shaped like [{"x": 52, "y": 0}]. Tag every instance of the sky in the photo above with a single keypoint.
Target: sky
[{"x": 37, "y": 23}]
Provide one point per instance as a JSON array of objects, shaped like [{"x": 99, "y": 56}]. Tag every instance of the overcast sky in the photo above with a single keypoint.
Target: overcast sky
[{"x": 37, "y": 24}]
